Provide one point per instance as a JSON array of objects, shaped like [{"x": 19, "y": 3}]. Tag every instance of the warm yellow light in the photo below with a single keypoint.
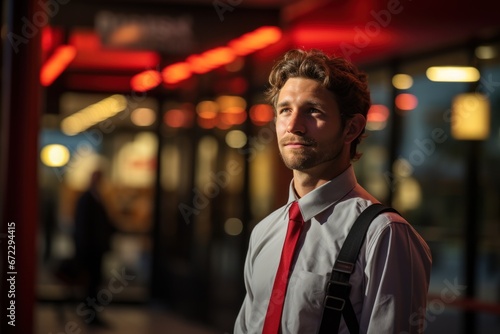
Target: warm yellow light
[
  {"x": 93, "y": 114},
  {"x": 233, "y": 226},
  {"x": 207, "y": 109},
  {"x": 402, "y": 81},
  {"x": 232, "y": 116},
  {"x": 470, "y": 118},
  {"x": 228, "y": 101},
  {"x": 409, "y": 194},
  {"x": 485, "y": 52},
  {"x": 453, "y": 73},
  {"x": 236, "y": 139},
  {"x": 55, "y": 155},
  {"x": 143, "y": 116}
]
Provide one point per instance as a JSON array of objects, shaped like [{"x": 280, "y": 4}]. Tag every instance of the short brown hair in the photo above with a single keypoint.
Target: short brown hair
[{"x": 342, "y": 78}]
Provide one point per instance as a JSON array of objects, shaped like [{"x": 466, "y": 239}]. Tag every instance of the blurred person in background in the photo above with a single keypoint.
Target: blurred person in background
[{"x": 92, "y": 235}]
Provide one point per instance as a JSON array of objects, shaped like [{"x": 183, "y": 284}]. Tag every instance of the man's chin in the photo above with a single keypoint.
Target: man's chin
[{"x": 297, "y": 164}]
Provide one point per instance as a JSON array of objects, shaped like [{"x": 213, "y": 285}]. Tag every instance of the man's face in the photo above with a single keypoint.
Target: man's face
[{"x": 308, "y": 126}]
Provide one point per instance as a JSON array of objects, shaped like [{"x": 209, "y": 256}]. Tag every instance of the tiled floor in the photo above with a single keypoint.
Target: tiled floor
[{"x": 57, "y": 319}]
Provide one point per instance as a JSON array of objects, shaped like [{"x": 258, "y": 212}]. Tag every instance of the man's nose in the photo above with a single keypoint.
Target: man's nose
[{"x": 296, "y": 123}]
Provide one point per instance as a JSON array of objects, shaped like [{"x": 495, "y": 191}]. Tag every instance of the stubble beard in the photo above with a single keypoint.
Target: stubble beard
[{"x": 303, "y": 159}]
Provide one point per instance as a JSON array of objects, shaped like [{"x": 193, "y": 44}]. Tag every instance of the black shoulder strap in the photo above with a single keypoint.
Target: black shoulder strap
[{"x": 337, "y": 302}]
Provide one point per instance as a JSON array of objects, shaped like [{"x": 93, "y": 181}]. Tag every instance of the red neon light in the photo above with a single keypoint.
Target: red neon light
[
  {"x": 115, "y": 60},
  {"x": 85, "y": 40},
  {"x": 198, "y": 64},
  {"x": 56, "y": 64},
  {"x": 51, "y": 38},
  {"x": 218, "y": 56},
  {"x": 213, "y": 58},
  {"x": 47, "y": 38},
  {"x": 255, "y": 40},
  {"x": 307, "y": 35},
  {"x": 176, "y": 72},
  {"x": 146, "y": 80}
]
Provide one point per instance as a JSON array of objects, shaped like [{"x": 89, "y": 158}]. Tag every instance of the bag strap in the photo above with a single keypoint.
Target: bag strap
[{"x": 337, "y": 302}]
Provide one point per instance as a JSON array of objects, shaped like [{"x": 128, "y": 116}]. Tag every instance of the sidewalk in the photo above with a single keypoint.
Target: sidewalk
[{"x": 57, "y": 319}]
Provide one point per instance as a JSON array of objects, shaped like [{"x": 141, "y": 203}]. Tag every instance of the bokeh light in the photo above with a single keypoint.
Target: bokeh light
[{"x": 55, "y": 155}]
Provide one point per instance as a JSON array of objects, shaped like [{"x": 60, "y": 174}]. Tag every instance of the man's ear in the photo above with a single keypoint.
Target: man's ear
[{"x": 354, "y": 127}]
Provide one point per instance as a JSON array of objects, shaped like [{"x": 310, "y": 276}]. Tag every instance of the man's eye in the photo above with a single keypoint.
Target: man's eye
[
  {"x": 285, "y": 110},
  {"x": 313, "y": 111}
]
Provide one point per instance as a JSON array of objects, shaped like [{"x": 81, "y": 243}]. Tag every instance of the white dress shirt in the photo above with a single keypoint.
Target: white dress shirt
[{"x": 389, "y": 283}]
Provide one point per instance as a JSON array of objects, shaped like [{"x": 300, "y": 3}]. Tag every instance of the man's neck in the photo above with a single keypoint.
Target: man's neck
[{"x": 304, "y": 181}]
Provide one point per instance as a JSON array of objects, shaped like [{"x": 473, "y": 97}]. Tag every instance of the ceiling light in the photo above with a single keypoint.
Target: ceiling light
[{"x": 453, "y": 74}]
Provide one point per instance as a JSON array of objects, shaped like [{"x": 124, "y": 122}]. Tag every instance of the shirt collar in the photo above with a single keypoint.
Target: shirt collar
[{"x": 325, "y": 195}]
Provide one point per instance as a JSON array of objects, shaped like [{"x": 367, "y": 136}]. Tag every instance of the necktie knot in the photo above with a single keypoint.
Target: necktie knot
[{"x": 294, "y": 213}]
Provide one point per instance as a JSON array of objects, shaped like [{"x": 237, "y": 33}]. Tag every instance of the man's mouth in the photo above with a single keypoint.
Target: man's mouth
[{"x": 296, "y": 144}]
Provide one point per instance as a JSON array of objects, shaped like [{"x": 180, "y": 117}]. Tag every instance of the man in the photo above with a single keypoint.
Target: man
[
  {"x": 321, "y": 105},
  {"x": 92, "y": 234}
]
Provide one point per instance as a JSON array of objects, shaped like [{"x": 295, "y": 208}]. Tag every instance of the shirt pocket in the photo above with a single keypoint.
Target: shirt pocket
[{"x": 304, "y": 301}]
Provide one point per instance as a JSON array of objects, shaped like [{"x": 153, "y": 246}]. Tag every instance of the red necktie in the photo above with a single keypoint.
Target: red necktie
[{"x": 275, "y": 308}]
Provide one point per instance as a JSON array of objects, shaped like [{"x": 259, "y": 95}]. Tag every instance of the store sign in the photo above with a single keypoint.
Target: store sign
[{"x": 167, "y": 34}]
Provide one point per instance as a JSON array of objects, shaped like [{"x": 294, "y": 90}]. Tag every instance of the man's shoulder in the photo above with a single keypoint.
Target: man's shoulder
[
  {"x": 391, "y": 225},
  {"x": 359, "y": 200}
]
